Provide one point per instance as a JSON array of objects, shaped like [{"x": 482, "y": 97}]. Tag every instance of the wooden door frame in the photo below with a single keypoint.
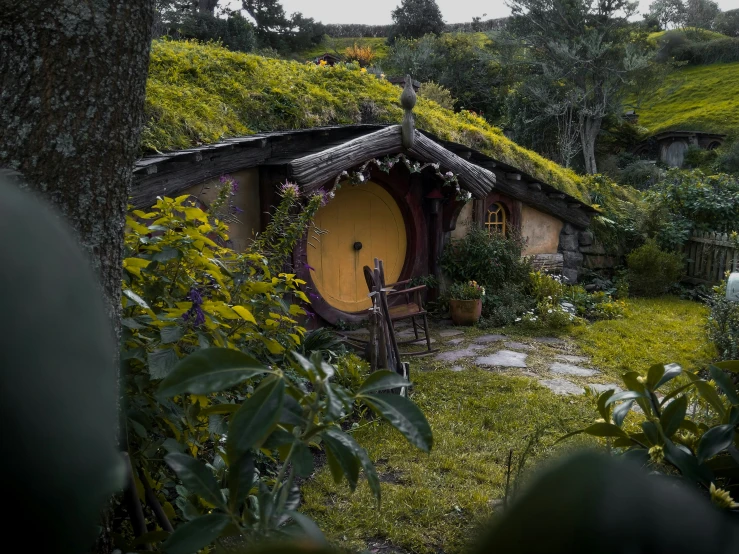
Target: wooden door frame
[{"x": 406, "y": 189}]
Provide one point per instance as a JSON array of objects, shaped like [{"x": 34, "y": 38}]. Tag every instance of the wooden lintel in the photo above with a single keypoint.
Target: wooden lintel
[
  {"x": 557, "y": 196},
  {"x": 574, "y": 205},
  {"x": 535, "y": 186},
  {"x": 513, "y": 176}
]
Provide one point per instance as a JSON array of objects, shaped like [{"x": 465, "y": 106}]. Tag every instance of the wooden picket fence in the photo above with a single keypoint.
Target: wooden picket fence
[{"x": 710, "y": 256}]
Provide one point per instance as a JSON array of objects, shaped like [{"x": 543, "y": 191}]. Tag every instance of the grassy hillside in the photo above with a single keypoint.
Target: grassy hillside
[
  {"x": 337, "y": 45},
  {"x": 199, "y": 94},
  {"x": 696, "y": 98}
]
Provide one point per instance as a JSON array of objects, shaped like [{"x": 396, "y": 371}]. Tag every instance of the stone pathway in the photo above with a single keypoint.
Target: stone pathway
[
  {"x": 503, "y": 358},
  {"x": 544, "y": 359}
]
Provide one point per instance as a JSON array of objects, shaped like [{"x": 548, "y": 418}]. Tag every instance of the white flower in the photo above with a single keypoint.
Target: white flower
[
  {"x": 518, "y": 319},
  {"x": 549, "y": 311}
]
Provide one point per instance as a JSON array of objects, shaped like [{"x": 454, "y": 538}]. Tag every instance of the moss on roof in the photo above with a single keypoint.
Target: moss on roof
[
  {"x": 696, "y": 98},
  {"x": 202, "y": 93}
]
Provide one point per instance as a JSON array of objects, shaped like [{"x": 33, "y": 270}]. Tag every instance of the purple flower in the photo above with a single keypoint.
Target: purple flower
[
  {"x": 313, "y": 296},
  {"x": 323, "y": 195},
  {"x": 236, "y": 210},
  {"x": 195, "y": 314},
  {"x": 308, "y": 267},
  {"x": 290, "y": 189}
]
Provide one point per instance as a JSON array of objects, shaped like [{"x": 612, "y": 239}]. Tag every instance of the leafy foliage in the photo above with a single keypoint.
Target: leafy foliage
[
  {"x": 652, "y": 270},
  {"x": 699, "y": 444},
  {"x": 437, "y": 93},
  {"x": 723, "y": 324},
  {"x": 465, "y": 64},
  {"x": 466, "y": 291},
  {"x": 214, "y": 378},
  {"x": 415, "y": 18},
  {"x": 363, "y": 55}
]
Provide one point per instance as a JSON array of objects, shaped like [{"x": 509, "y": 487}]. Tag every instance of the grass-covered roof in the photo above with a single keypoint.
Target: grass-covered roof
[
  {"x": 200, "y": 94},
  {"x": 696, "y": 98}
]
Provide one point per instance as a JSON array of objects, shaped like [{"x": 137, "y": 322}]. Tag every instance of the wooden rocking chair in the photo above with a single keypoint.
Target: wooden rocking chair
[{"x": 410, "y": 309}]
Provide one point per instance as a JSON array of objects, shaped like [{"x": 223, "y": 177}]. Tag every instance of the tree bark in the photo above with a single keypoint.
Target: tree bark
[
  {"x": 207, "y": 6},
  {"x": 589, "y": 129},
  {"x": 72, "y": 85}
]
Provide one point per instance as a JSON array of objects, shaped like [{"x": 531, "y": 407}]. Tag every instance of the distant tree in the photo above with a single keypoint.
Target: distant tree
[
  {"x": 727, "y": 23},
  {"x": 701, "y": 13},
  {"x": 669, "y": 13},
  {"x": 416, "y": 18},
  {"x": 589, "y": 50},
  {"x": 276, "y": 30}
]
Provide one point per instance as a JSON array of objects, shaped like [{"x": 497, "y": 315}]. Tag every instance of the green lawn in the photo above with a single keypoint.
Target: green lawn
[
  {"x": 696, "y": 98},
  {"x": 435, "y": 502}
]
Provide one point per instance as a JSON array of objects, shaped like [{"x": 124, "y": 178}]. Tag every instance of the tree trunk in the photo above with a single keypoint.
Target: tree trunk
[
  {"x": 207, "y": 6},
  {"x": 589, "y": 129},
  {"x": 72, "y": 84}
]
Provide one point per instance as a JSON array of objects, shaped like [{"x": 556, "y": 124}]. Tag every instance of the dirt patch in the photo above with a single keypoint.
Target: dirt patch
[{"x": 384, "y": 546}]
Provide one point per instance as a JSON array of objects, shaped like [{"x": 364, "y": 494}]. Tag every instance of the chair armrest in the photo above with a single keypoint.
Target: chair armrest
[
  {"x": 399, "y": 283},
  {"x": 406, "y": 291}
]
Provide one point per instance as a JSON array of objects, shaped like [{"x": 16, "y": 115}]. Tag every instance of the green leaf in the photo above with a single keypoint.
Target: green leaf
[
  {"x": 382, "y": 380},
  {"x": 196, "y": 476},
  {"x": 711, "y": 396},
  {"x": 602, "y": 408},
  {"x": 654, "y": 374},
  {"x": 344, "y": 463},
  {"x": 256, "y": 418},
  {"x": 687, "y": 464},
  {"x": 161, "y": 362},
  {"x": 302, "y": 460},
  {"x": 605, "y": 430},
  {"x": 166, "y": 254},
  {"x": 619, "y": 414},
  {"x": 714, "y": 441},
  {"x": 404, "y": 415},
  {"x": 730, "y": 365},
  {"x": 210, "y": 370},
  {"x": 241, "y": 477},
  {"x": 675, "y": 393},
  {"x": 725, "y": 384},
  {"x": 651, "y": 432},
  {"x": 673, "y": 415},
  {"x": 136, "y": 298},
  {"x": 309, "y": 527},
  {"x": 671, "y": 371},
  {"x": 198, "y": 533},
  {"x": 625, "y": 395},
  {"x": 171, "y": 334},
  {"x": 369, "y": 468},
  {"x": 131, "y": 323},
  {"x": 335, "y": 408}
]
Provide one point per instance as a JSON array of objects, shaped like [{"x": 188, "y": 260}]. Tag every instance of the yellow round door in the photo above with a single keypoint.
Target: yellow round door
[{"x": 362, "y": 223}]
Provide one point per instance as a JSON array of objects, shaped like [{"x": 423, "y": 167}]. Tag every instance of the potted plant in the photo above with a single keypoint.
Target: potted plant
[{"x": 465, "y": 302}]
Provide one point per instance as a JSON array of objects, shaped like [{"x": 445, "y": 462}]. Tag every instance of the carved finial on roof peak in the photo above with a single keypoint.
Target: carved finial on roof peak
[{"x": 408, "y": 101}]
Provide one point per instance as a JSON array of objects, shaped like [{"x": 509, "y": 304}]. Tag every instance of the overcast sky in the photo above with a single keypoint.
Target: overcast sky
[{"x": 377, "y": 12}]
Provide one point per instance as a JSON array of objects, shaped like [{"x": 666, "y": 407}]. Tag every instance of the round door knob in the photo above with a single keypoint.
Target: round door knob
[{"x": 357, "y": 246}]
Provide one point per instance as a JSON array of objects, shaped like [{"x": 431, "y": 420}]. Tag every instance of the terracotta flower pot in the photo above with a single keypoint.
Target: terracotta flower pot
[{"x": 465, "y": 312}]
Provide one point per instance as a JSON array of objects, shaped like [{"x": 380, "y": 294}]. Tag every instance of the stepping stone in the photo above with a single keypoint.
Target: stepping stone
[
  {"x": 445, "y": 322},
  {"x": 451, "y": 332},
  {"x": 600, "y": 389},
  {"x": 549, "y": 340},
  {"x": 457, "y": 368},
  {"x": 458, "y": 354},
  {"x": 407, "y": 334},
  {"x": 561, "y": 386},
  {"x": 422, "y": 340},
  {"x": 569, "y": 369},
  {"x": 503, "y": 358},
  {"x": 401, "y": 325},
  {"x": 573, "y": 359},
  {"x": 455, "y": 342},
  {"x": 518, "y": 346},
  {"x": 484, "y": 339}
]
